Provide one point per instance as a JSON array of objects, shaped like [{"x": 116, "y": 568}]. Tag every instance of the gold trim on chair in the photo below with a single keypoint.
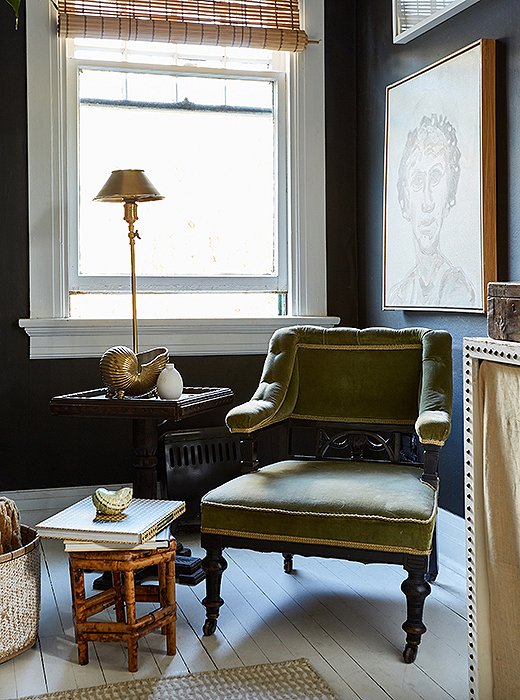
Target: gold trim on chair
[
  {"x": 308, "y": 540},
  {"x": 372, "y": 421},
  {"x": 281, "y": 511},
  {"x": 317, "y": 346}
]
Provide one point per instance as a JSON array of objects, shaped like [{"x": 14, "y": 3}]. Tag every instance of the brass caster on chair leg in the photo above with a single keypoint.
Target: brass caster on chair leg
[
  {"x": 410, "y": 653},
  {"x": 209, "y": 628}
]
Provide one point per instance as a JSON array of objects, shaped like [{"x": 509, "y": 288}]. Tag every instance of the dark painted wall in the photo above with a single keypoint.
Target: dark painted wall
[
  {"x": 341, "y": 118},
  {"x": 380, "y": 63},
  {"x": 38, "y": 450}
]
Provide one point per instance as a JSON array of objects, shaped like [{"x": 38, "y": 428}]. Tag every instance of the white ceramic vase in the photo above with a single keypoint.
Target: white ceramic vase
[{"x": 169, "y": 383}]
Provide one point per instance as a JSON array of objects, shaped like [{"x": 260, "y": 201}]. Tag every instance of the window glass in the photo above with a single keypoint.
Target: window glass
[
  {"x": 212, "y": 158},
  {"x": 183, "y": 305}
]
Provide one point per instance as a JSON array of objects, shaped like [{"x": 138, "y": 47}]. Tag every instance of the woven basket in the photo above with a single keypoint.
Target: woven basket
[{"x": 20, "y": 596}]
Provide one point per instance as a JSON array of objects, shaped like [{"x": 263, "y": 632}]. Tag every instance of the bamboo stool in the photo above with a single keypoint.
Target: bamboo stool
[{"x": 123, "y": 595}]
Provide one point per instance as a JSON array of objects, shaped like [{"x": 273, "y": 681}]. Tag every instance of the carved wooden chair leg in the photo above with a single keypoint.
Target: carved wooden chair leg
[
  {"x": 433, "y": 563},
  {"x": 214, "y": 566},
  {"x": 416, "y": 589},
  {"x": 288, "y": 566}
]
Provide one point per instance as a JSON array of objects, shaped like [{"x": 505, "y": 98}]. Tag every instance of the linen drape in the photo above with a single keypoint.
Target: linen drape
[{"x": 500, "y": 410}]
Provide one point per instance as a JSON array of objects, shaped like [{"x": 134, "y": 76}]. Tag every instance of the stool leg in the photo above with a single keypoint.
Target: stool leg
[
  {"x": 118, "y": 588},
  {"x": 171, "y": 628},
  {"x": 167, "y": 597},
  {"x": 163, "y": 599},
  {"x": 131, "y": 620},
  {"x": 77, "y": 582}
]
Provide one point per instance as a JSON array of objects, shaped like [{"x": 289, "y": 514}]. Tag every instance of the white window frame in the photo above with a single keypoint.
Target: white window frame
[
  {"x": 224, "y": 283},
  {"x": 54, "y": 335},
  {"x": 435, "y": 18}
]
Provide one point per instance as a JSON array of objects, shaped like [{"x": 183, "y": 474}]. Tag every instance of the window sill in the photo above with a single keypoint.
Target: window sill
[{"x": 53, "y": 338}]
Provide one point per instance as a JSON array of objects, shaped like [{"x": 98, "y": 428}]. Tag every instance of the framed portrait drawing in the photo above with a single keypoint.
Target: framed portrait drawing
[
  {"x": 440, "y": 193},
  {"x": 411, "y": 18}
]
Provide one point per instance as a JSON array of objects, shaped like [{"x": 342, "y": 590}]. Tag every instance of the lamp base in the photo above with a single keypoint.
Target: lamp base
[{"x": 129, "y": 374}]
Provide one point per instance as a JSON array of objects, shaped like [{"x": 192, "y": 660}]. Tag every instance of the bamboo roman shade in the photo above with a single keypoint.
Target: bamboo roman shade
[{"x": 259, "y": 24}]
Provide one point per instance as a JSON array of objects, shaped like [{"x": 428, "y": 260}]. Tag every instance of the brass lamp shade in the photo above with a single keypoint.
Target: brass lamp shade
[{"x": 128, "y": 185}]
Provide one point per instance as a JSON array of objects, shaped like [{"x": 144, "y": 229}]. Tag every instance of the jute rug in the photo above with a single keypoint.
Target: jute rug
[{"x": 288, "y": 680}]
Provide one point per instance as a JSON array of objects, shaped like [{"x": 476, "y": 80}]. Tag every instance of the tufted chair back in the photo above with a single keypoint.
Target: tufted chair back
[{"x": 375, "y": 375}]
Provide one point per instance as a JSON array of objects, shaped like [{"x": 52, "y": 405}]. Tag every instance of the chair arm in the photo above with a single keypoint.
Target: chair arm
[
  {"x": 277, "y": 392},
  {"x": 250, "y": 416},
  {"x": 271, "y": 403},
  {"x": 434, "y": 421},
  {"x": 433, "y": 427}
]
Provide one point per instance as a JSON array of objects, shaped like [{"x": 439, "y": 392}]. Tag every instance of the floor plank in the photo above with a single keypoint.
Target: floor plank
[
  {"x": 304, "y": 639},
  {"x": 29, "y": 671},
  {"x": 248, "y": 651},
  {"x": 344, "y": 617},
  {"x": 443, "y": 649},
  {"x": 316, "y": 621},
  {"x": 7, "y": 681},
  {"x": 338, "y": 611}
]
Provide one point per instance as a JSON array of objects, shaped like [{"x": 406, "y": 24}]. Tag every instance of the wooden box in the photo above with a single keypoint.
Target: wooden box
[{"x": 503, "y": 312}]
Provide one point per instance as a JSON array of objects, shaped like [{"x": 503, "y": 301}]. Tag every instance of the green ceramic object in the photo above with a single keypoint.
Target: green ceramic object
[{"x": 112, "y": 502}]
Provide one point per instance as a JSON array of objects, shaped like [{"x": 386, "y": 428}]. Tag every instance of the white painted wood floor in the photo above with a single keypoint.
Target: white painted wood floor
[{"x": 344, "y": 617}]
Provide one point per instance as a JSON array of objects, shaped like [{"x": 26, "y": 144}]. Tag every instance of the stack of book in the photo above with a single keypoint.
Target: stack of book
[
  {"x": 145, "y": 524},
  {"x": 161, "y": 540}
]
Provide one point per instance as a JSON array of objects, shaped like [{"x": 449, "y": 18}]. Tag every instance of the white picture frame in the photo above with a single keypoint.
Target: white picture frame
[
  {"x": 436, "y": 16},
  {"x": 440, "y": 184}
]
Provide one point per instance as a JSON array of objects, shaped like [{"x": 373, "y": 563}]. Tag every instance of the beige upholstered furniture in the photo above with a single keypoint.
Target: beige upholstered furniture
[
  {"x": 371, "y": 408},
  {"x": 492, "y": 489}
]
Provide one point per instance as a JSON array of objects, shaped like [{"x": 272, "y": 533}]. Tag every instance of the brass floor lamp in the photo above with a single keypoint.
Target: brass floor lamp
[{"x": 126, "y": 371}]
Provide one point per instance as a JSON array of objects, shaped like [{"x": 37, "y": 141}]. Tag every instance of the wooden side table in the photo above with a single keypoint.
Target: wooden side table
[
  {"x": 146, "y": 413},
  {"x": 124, "y": 594}
]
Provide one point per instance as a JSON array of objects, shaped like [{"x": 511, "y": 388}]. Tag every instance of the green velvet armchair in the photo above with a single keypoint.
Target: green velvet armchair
[{"x": 364, "y": 414}]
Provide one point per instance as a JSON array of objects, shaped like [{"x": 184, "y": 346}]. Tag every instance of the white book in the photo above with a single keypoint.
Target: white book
[
  {"x": 140, "y": 522},
  {"x": 161, "y": 541}
]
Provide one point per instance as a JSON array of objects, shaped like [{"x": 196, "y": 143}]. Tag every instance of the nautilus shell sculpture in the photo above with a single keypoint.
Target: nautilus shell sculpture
[
  {"x": 111, "y": 502},
  {"x": 126, "y": 373}
]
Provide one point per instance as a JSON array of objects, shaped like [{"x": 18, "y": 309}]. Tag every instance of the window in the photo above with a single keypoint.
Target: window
[
  {"x": 411, "y": 18},
  {"x": 208, "y": 125},
  {"x": 267, "y": 260}
]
